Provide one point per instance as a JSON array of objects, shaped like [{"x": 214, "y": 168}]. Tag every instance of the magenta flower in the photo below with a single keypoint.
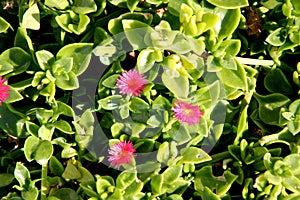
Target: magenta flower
[
  {"x": 4, "y": 89},
  {"x": 185, "y": 112},
  {"x": 131, "y": 82},
  {"x": 121, "y": 153}
]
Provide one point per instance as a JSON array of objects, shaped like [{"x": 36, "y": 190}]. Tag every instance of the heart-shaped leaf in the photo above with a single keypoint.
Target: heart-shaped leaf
[
  {"x": 31, "y": 18},
  {"x": 179, "y": 85},
  {"x": 43, "y": 152},
  {"x": 269, "y": 107},
  {"x": 81, "y": 54}
]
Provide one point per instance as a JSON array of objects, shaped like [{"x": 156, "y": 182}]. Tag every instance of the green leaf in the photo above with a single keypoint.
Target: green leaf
[
  {"x": 66, "y": 194},
  {"x": 181, "y": 184},
  {"x": 43, "y": 152},
  {"x": 31, "y": 18},
  {"x": 276, "y": 38},
  {"x": 149, "y": 166},
  {"x": 270, "y": 4},
  {"x": 180, "y": 134},
  {"x": 16, "y": 57},
  {"x": 276, "y": 82},
  {"x": 46, "y": 132},
  {"x": 210, "y": 20},
  {"x": 208, "y": 95},
  {"x": 296, "y": 5},
  {"x": 87, "y": 119},
  {"x": 193, "y": 155},
  {"x": 5, "y": 68},
  {"x": 22, "y": 40},
  {"x": 110, "y": 102},
  {"x": 37, "y": 79},
  {"x": 229, "y": 21},
  {"x": 242, "y": 125},
  {"x": 294, "y": 124},
  {"x": 115, "y": 25},
  {"x": 164, "y": 37},
  {"x": 30, "y": 146},
  {"x": 31, "y": 194},
  {"x": 186, "y": 12},
  {"x": 135, "y": 32},
  {"x": 64, "y": 109},
  {"x": 55, "y": 166},
  {"x": 208, "y": 194},
  {"x": 62, "y": 4},
  {"x": 4, "y": 25},
  {"x": 134, "y": 190},
  {"x": 81, "y": 54},
  {"x": 175, "y": 197},
  {"x": 101, "y": 5},
  {"x": 111, "y": 81},
  {"x": 132, "y": 4},
  {"x": 83, "y": 136},
  {"x": 69, "y": 83},
  {"x": 293, "y": 161},
  {"x": 71, "y": 172},
  {"x": 86, "y": 176},
  {"x": 269, "y": 107},
  {"x": 63, "y": 20},
  {"x": 14, "y": 96},
  {"x": 138, "y": 105},
  {"x": 117, "y": 194},
  {"x": 221, "y": 184},
  {"x": 163, "y": 153},
  {"x": 147, "y": 58},
  {"x": 234, "y": 78},
  {"x": 8, "y": 120},
  {"x": 178, "y": 85},
  {"x": 291, "y": 183},
  {"x": 45, "y": 59},
  {"x": 229, "y": 4},
  {"x": 102, "y": 185},
  {"x": 6, "y": 179},
  {"x": 68, "y": 152},
  {"x": 125, "y": 179},
  {"x": 63, "y": 126},
  {"x": 172, "y": 174},
  {"x": 144, "y": 145},
  {"x": 157, "y": 183},
  {"x": 230, "y": 48},
  {"x": 22, "y": 175},
  {"x": 49, "y": 91},
  {"x": 84, "y": 6},
  {"x": 43, "y": 115},
  {"x": 79, "y": 27},
  {"x": 100, "y": 35}
]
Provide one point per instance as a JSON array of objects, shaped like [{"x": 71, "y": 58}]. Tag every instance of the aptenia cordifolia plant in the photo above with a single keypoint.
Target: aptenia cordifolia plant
[{"x": 152, "y": 99}]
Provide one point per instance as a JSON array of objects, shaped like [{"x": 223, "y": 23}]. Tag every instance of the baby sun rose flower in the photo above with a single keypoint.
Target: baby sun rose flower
[
  {"x": 131, "y": 82},
  {"x": 121, "y": 153},
  {"x": 188, "y": 113},
  {"x": 4, "y": 89}
]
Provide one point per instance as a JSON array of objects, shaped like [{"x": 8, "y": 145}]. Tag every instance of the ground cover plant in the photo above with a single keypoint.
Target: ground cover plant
[{"x": 151, "y": 99}]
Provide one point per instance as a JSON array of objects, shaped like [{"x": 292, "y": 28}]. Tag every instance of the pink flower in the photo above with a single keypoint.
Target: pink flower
[
  {"x": 131, "y": 82},
  {"x": 185, "y": 112},
  {"x": 4, "y": 89},
  {"x": 121, "y": 153}
]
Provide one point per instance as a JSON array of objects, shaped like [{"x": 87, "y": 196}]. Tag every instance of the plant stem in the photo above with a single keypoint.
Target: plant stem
[
  {"x": 44, "y": 186},
  {"x": 252, "y": 61}
]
